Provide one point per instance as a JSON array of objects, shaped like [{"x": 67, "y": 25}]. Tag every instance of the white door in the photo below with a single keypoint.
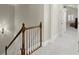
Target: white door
[{"x": 64, "y": 18}]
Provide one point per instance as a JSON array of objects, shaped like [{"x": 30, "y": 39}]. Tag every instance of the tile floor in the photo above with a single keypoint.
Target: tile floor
[{"x": 65, "y": 44}]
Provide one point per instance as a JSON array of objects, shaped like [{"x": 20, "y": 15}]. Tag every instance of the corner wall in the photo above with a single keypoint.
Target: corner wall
[{"x": 6, "y": 22}]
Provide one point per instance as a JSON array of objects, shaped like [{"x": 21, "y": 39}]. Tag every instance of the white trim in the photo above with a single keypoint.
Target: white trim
[{"x": 50, "y": 40}]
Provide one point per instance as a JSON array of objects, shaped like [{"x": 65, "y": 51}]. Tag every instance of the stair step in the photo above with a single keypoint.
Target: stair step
[{"x": 19, "y": 52}]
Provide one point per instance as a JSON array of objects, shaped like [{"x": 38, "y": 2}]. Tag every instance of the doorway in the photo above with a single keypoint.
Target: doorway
[{"x": 72, "y": 18}]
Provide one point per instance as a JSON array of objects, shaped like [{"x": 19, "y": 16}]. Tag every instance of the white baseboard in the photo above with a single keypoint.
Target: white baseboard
[
  {"x": 46, "y": 42},
  {"x": 52, "y": 39}
]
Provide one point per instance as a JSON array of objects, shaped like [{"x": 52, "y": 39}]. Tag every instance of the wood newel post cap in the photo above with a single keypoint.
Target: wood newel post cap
[
  {"x": 23, "y": 24},
  {"x": 23, "y": 27},
  {"x": 40, "y": 24}
]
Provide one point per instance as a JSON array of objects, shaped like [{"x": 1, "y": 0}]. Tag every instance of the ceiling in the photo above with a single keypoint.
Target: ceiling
[{"x": 71, "y": 5}]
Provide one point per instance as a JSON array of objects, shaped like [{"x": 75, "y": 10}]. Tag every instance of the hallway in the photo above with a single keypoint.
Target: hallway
[{"x": 65, "y": 44}]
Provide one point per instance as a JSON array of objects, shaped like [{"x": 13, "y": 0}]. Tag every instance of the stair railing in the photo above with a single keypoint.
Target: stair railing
[{"x": 22, "y": 30}]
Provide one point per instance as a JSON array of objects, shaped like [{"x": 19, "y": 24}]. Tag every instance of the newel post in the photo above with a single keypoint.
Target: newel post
[
  {"x": 40, "y": 34},
  {"x": 6, "y": 50},
  {"x": 23, "y": 40}
]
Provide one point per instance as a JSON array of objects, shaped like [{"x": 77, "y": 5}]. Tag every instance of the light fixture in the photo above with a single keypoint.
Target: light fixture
[{"x": 2, "y": 30}]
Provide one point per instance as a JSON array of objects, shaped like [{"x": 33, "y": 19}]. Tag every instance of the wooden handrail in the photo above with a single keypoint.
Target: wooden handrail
[
  {"x": 14, "y": 39},
  {"x": 22, "y": 30},
  {"x": 40, "y": 33},
  {"x": 32, "y": 27}
]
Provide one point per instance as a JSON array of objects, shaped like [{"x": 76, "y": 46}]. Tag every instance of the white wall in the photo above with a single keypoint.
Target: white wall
[
  {"x": 54, "y": 20},
  {"x": 47, "y": 22},
  {"x": 61, "y": 19},
  {"x": 29, "y": 14},
  {"x": 6, "y": 21}
]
